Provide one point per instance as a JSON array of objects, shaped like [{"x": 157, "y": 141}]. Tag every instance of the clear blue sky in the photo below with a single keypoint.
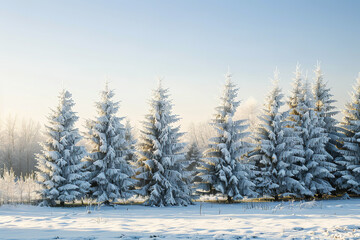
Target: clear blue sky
[{"x": 79, "y": 44}]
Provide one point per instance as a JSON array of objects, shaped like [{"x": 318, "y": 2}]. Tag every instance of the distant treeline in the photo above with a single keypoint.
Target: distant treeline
[{"x": 19, "y": 141}]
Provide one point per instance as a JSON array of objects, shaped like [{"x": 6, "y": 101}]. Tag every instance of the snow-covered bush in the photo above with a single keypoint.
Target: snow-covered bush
[{"x": 23, "y": 189}]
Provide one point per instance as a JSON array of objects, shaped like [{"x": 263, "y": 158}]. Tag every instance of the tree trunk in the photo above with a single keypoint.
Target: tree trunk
[
  {"x": 229, "y": 199},
  {"x": 276, "y": 197},
  {"x": 307, "y": 197},
  {"x": 27, "y": 164},
  {"x": 62, "y": 203}
]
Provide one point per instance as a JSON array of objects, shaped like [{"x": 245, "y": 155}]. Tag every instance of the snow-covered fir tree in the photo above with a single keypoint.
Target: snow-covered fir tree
[
  {"x": 61, "y": 170},
  {"x": 326, "y": 111},
  {"x": 350, "y": 150},
  {"x": 296, "y": 100},
  {"x": 315, "y": 138},
  {"x": 193, "y": 159},
  {"x": 274, "y": 146},
  {"x": 225, "y": 169},
  {"x": 129, "y": 137},
  {"x": 161, "y": 161},
  {"x": 295, "y": 125},
  {"x": 110, "y": 174}
]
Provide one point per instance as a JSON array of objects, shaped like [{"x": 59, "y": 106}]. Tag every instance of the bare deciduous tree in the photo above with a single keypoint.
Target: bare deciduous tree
[{"x": 18, "y": 144}]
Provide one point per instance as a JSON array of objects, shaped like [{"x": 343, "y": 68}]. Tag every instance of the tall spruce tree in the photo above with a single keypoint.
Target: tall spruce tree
[
  {"x": 110, "y": 176},
  {"x": 129, "y": 137},
  {"x": 295, "y": 132},
  {"x": 193, "y": 159},
  {"x": 225, "y": 169},
  {"x": 271, "y": 156},
  {"x": 326, "y": 112},
  {"x": 161, "y": 161},
  {"x": 315, "y": 138},
  {"x": 350, "y": 161},
  {"x": 61, "y": 170}
]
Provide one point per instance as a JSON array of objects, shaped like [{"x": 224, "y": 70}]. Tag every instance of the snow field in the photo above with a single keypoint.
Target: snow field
[{"x": 328, "y": 219}]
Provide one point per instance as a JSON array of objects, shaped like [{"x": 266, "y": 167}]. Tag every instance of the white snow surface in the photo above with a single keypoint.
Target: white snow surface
[{"x": 328, "y": 219}]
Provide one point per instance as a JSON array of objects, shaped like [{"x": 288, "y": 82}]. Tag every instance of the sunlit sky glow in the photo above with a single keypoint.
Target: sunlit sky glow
[{"x": 45, "y": 45}]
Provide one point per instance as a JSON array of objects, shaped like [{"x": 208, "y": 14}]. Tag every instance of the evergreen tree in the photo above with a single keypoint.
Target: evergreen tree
[
  {"x": 326, "y": 112},
  {"x": 110, "y": 177},
  {"x": 225, "y": 169},
  {"x": 129, "y": 137},
  {"x": 193, "y": 158},
  {"x": 315, "y": 138},
  {"x": 295, "y": 134},
  {"x": 350, "y": 151},
  {"x": 161, "y": 162},
  {"x": 271, "y": 156},
  {"x": 61, "y": 171}
]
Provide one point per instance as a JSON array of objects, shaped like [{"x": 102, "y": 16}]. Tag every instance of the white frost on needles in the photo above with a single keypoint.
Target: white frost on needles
[
  {"x": 162, "y": 161},
  {"x": 61, "y": 170},
  {"x": 110, "y": 174},
  {"x": 225, "y": 169}
]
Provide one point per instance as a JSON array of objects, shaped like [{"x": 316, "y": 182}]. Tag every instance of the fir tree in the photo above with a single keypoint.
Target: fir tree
[
  {"x": 129, "y": 137},
  {"x": 350, "y": 150},
  {"x": 110, "y": 177},
  {"x": 193, "y": 158},
  {"x": 224, "y": 169},
  {"x": 315, "y": 138},
  {"x": 161, "y": 162},
  {"x": 61, "y": 171},
  {"x": 271, "y": 156},
  {"x": 326, "y": 112},
  {"x": 295, "y": 134}
]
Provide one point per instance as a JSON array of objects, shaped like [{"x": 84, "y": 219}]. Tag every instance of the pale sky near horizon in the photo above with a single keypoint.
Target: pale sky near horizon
[{"x": 45, "y": 45}]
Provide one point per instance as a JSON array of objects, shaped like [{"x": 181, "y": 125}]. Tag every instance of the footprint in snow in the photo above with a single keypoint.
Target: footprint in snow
[{"x": 298, "y": 228}]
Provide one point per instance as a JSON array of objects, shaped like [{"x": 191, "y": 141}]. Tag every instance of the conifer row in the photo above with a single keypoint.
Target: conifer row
[{"x": 300, "y": 150}]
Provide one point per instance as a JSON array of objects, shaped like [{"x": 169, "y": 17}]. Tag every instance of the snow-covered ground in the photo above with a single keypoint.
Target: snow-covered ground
[{"x": 292, "y": 220}]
